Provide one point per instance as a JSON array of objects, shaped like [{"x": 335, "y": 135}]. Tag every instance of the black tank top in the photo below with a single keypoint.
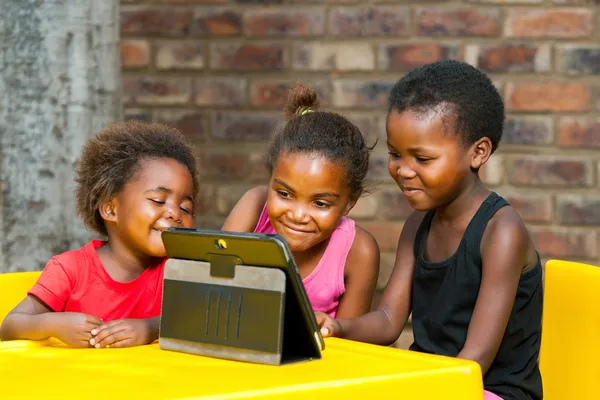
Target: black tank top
[{"x": 443, "y": 299}]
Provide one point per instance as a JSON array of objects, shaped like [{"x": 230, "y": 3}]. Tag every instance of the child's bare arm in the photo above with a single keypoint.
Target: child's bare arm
[
  {"x": 384, "y": 324},
  {"x": 506, "y": 249},
  {"x": 26, "y": 321},
  {"x": 245, "y": 214},
  {"x": 361, "y": 272},
  {"x": 33, "y": 320}
]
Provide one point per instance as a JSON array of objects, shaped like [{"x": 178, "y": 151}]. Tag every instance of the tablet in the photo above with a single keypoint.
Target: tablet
[{"x": 257, "y": 266}]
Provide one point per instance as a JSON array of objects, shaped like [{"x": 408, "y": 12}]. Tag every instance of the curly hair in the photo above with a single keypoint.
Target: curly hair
[
  {"x": 310, "y": 130},
  {"x": 455, "y": 87},
  {"x": 113, "y": 157}
]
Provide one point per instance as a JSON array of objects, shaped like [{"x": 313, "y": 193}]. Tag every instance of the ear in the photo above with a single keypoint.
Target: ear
[
  {"x": 108, "y": 210},
  {"x": 481, "y": 151},
  {"x": 350, "y": 206}
]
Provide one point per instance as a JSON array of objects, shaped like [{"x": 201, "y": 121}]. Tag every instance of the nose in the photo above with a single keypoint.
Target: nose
[
  {"x": 174, "y": 212},
  {"x": 405, "y": 171},
  {"x": 299, "y": 215}
]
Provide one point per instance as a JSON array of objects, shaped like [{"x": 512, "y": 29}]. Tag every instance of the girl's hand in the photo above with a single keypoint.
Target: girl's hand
[
  {"x": 121, "y": 333},
  {"x": 73, "y": 329},
  {"x": 329, "y": 326}
]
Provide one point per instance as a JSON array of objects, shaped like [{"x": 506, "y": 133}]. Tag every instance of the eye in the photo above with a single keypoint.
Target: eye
[
  {"x": 283, "y": 194},
  {"x": 321, "y": 204},
  {"x": 394, "y": 154},
  {"x": 186, "y": 210},
  {"x": 423, "y": 160},
  {"x": 155, "y": 201}
]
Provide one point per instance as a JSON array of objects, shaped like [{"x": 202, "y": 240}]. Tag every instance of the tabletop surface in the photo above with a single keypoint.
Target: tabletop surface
[{"x": 50, "y": 370}]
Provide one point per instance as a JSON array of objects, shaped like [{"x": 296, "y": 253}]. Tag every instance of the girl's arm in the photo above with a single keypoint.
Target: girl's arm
[
  {"x": 245, "y": 214},
  {"x": 27, "y": 321},
  {"x": 506, "y": 249},
  {"x": 384, "y": 325},
  {"x": 361, "y": 272},
  {"x": 33, "y": 320}
]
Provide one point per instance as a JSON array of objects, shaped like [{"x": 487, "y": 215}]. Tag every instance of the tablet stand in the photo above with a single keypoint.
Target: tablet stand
[{"x": 227, "y": 310}]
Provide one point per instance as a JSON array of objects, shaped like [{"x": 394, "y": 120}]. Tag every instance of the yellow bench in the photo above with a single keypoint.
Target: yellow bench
[
  {"x": 570, "y": 352},
  {"x": 13, "y": 289}
]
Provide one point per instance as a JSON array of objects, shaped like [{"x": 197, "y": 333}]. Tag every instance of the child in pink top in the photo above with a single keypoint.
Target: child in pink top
[{"x": 318, "y": 163}]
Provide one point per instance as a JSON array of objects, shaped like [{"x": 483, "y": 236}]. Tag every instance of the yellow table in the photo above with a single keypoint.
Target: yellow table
[{"x": 49, "y": 370}]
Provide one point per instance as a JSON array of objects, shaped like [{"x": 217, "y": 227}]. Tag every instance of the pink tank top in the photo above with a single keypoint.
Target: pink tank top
[{"x": 325, "y": 284}]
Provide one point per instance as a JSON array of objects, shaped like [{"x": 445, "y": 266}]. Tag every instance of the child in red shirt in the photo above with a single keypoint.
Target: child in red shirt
[{"x": 134, "y": 180}]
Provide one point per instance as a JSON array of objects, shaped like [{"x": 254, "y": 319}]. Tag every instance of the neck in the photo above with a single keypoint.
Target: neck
[
  {"x": 122, "y": 262},
  {"x": 302, "y": 257},
  {"x": 470, "y": 198}
]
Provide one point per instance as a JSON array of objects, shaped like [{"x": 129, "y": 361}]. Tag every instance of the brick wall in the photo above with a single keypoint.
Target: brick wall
[{"x": 219, "y": 70}]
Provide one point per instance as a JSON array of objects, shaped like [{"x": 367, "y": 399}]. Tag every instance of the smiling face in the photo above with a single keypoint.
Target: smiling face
[
  {"x": 428, "y": 162},
  {"x": 307, "y": 198},
  {"x": 157, "y": 198}
]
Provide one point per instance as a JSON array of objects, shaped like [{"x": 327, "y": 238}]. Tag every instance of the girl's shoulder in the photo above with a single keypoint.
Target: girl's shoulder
[{"x": 245, "y": 214}]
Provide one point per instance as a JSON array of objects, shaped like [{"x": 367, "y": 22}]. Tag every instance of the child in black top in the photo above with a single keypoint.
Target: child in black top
[{"x": 466, "y": 266}]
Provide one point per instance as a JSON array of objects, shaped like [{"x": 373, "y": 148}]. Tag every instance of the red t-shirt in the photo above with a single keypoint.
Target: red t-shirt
[{"x": 76, "y": 281}]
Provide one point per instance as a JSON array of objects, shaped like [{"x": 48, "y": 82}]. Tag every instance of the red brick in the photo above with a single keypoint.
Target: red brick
[
  {"x": 378, "y": 167},
  {"x": 576, "y": 2},
  {"x": 453, "y": 22},
  {"x": 554, "y": 97},
  {"x": 225, "y": 166},
  {"x": 580, "y": 59},
  {"x": 386, "y": 234},
  {"x": 248, "y": 57},
  {"x": 386, "y": 266},
  {"x": 364, "y": 94},
  {"x": 192, "y": 1},
  {"x": 366, "y": 207},
  {"x": 579, "y": 210},
  {"x": 327, "y": 1},
  {"x": 344, "y": 56},
  {"x": 210, "y": 221},
  {"x": 579, "y": 132},
  {"x": 549, "y": 170},
  {"x": 510, "y": 57},
  {"x": 403, "y": 57},
  {"x": 554, "y": 22},
  {"x": 154, "y": 90},
  {"x": 191, "y": 123},
  {"x": 369, "y": 126},
  {"x": 180, "y": 55},
  {"x": 154, "y": 21},
  {"x": 395, "y": 205},
  {"x": 257, "y": 167},
  {"x": 561, "y": 243},
  {"x": 531, "y": 208},
  {"x": 227, "y": 197},
  {"x": 282, "y": 22},
  {"x": 273, "y": 93},
  {"x": 492, "y": 172},
  {"x": 138, "y": 114},
  {"x": 528, "y": 130},
  {"x": 506, "y": 2},
  {"x": 134, "y": 53},
  {"x": 217, "y": 91},
  {"x": 216, "y": 22},
  {"x": 263, "y": 2},
  {"x": 205, "y": 200},
  {"x": 252, "y": 126},
  {"x": 369, "y": 21}
]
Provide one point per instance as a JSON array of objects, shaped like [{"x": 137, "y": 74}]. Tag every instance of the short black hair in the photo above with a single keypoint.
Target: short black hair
[
  {"x": 112, "y": 158},
  {"x": 477, "y": 107},
  {"x": 309, "y": 130}
]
